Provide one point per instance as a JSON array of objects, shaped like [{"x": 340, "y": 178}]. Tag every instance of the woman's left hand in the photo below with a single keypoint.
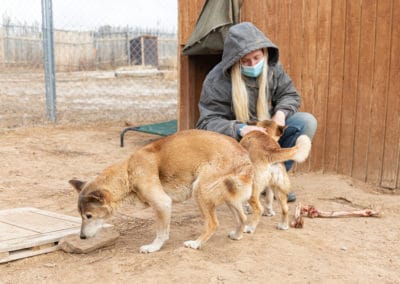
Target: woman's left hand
[{"x": 279, "y": 117}]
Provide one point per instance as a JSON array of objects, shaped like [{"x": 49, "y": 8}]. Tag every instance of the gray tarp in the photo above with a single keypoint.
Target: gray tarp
[{"x": 211, "y": 27}]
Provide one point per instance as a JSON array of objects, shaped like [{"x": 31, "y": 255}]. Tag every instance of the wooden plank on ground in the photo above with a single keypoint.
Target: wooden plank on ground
[
  {"x": 14, "y": 232},
  {"x": 34, "y": 221},
  {"x": 26, "y": 232},
  {"x": 28, "y": 252}
]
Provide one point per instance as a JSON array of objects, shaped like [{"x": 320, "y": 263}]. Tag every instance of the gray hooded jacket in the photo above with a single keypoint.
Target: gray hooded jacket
[{"x": 216, "y": 107}]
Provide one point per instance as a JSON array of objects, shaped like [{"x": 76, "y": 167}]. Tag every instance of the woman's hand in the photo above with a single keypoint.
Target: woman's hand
[{"x": 279, "y": 117}]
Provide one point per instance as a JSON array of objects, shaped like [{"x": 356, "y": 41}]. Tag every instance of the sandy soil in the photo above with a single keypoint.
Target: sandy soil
[{"x": 36, "y": 164}]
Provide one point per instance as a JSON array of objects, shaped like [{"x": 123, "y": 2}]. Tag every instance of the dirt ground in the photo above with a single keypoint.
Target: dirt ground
[
  {"x": 37, "y": 162},
  {"x": 87, "y": 97}
]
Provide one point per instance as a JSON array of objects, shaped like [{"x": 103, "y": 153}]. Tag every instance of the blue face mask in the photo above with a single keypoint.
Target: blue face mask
[{"x": 253, "y": 71}]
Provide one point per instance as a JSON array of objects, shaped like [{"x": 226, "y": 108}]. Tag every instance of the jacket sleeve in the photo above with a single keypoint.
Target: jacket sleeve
[
  {"x": 216, "y": 112},
  {"x": 285, "y": 96}
]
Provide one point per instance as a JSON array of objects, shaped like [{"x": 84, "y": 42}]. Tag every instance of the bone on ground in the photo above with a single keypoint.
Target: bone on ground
[{"x": 312, "y": 212}]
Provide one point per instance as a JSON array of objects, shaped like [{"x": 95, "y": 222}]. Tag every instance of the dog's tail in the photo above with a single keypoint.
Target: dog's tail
[
  {"x": 303, "y": 143},
  {"x": 298, "y": 153},
  {"x": 237, "y": 183}
]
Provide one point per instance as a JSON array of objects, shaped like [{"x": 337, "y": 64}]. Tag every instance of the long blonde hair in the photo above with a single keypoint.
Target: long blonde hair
[{"x": 240, "y": 97}]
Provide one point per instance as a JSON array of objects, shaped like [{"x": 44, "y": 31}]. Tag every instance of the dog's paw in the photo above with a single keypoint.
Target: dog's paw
[
  {"x": 282, "y": 226},
  {"x": 149, "y": 248},
  {"x": 269, "y": 212},
  {"x": 249, "y": 229},
  {"x": 192, "y": 244},
  {"x": 233, "y": 235}
]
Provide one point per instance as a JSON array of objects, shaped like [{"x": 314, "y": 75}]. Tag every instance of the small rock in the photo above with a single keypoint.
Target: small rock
[
  {"x": 73, "y": 244},
  {"x": 343, "y": 248},
  {"x": 51, "y": 265}
]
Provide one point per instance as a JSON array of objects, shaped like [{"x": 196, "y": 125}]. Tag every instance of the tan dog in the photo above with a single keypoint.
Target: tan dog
[
  {"x": 211, "y": 166},
  {"x": 270, "y": 173}
]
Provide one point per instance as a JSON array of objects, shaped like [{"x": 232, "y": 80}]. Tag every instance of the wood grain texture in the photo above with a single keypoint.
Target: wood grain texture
[
  {"x": 343, "y": 58},
  {"x": 321, "y": 86},
  {"x": 26, "y": 232},
  {"x": 391, "y": 155},
  {"x": 379, "y": 91},
  {"x": 350, "y": 86},
  {"x": 335, "y": 88},
  {"x": 364, "y": 90}
]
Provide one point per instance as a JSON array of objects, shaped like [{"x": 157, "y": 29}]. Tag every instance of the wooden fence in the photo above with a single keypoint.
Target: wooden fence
[
  {"x": 21, "y": 46},
  {"x": 344, "y": 58}
]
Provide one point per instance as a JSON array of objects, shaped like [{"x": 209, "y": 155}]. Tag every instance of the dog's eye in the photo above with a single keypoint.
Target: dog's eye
[{"x": 88, "y": 216}]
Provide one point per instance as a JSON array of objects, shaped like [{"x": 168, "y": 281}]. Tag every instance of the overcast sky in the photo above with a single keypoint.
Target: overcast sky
[{"x": 91, "y": 14}]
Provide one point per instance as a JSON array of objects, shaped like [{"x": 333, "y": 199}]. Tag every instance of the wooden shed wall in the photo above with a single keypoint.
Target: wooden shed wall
[{"x": 343, "y": 57}]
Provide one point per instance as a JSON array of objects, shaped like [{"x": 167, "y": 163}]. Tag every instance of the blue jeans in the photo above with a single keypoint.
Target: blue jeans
[{"x": 298, "y": 124}]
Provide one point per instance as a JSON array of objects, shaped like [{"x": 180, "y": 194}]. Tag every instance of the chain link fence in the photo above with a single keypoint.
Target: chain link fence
[{"x": 105, "y": 72}]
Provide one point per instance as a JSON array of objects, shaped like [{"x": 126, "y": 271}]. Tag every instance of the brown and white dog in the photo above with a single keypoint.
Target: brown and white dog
[
  {"x": 270, "y": 173},
  {"x": 212, "y": 167}
]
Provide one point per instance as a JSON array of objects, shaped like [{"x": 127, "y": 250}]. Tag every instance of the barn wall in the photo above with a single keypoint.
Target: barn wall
[{"x": 343, "y": 57}]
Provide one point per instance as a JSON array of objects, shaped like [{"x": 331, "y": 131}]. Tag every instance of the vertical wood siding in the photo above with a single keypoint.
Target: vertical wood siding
[{"x": 343, "y": 56}]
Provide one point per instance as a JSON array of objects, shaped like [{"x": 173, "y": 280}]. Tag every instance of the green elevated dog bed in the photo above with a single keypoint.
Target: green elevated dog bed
[{"x": 163, "y": 129}]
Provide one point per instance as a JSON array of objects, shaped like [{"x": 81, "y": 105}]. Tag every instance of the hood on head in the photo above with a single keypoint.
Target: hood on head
[{"x": 242, "y": 39}]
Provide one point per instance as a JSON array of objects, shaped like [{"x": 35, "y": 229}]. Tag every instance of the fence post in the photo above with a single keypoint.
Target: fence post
[
  {"x": 128, "y": 47},
  {"x": 7, "y": 27},
  {"x": 48, "y": 59}
]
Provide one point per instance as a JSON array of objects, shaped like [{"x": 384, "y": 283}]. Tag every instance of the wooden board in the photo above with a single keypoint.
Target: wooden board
[
  {"x": 391, "y": 157},
  {"x": 379, "y": 92},
  {"x": 308, "y": 77},
  {"x": 362, "y": 130},
  {"x": 321, "y": 87},
  {"x": 334, "y": 102},
  {"x": 188, "y": 13},
  {"x": 26, "y": 232},
  {"x": 350, "y": 86}
]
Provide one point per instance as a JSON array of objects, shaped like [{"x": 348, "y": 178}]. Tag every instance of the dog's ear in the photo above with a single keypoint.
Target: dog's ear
[
  {"x": 102, "y": 196},
  {"x": 269, "y": 124},
  {"x": 265, "y": 123},
  {"x": 77, "y": 184},
  {"x": 252, "y": 122}
]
